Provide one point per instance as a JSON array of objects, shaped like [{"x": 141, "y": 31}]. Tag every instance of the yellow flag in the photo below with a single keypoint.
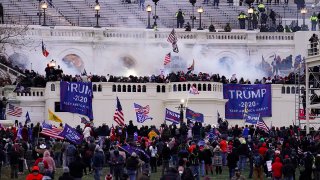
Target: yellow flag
[
  {"x": 53, "y": 117},
  {"x": 152, "y": 134}
]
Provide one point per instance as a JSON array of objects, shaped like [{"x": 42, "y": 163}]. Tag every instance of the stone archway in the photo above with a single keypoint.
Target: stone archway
[{"x": 73, "y": 61}]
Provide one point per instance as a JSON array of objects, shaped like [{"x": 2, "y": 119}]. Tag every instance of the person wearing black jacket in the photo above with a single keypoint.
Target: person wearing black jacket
[
  {"x": 14, "y": 160},
  {"x": 172, "y": 174},
  {"x": 77, "y": 167},
  {"x": 233, "y": 159},
  {"x": 103, "y": 133},
  {"x": 288, "y": 169},
  {"x": 132, "y": 165},
  {"x": 243, "y": 154},
  {"x": 1, "y": 14},
  {"x": 130, "y": 131},
  {"x": 66, "y": 175},
  {"x": 165, "y": 158}
]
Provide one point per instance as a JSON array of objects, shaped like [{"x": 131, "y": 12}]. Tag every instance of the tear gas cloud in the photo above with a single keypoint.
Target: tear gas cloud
[{"x": 143, "y": 59}]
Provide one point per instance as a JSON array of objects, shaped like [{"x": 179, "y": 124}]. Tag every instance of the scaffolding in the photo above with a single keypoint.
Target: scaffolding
[{"x": 311, "y": 95}]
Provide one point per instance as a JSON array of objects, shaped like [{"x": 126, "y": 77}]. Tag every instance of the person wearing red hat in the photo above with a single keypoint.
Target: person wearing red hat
[
  {"x": 277, "y": 169},
  {"x": 35, "y": 174}
]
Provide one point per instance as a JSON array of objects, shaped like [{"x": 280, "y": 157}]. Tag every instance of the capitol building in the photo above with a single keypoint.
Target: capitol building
[{"x": 138, "y": 51}]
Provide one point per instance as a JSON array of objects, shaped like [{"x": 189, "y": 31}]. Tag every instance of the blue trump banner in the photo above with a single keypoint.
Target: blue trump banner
[
  {"x": 194, "y": 116},
  {"x": 257, "y": 98},
  {"x": 71, "y": 134},
  {"x": 76, "y": 97},
  {"x": 251, "y": 118},
  {"x": 172, "y": 116}
]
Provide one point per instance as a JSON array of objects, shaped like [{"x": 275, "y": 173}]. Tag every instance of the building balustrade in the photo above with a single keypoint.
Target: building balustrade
[{"x": 118, "y": 33}]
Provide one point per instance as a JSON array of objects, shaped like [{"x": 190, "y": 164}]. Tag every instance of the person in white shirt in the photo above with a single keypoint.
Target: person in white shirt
[
  {"x": 87, "y": 132},
  {"x": 153, "y": 159}
]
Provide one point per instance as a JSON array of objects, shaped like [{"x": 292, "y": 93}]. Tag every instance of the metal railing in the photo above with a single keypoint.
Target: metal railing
[{"x": 313, "y": 49}]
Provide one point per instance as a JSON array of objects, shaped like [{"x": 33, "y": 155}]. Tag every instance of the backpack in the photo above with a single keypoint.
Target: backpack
[
  {"x": 257, "y": 160},
  {"x": 71, "y": 150},
  {"x": 41, "y": 167}
]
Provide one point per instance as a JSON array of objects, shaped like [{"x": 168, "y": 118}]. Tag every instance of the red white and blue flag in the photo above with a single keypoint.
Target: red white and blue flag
[
  {"x": 193, "y": 90},
  {"x": 44, "y": 50},
  {"x": 262, "y": 125},
  {"x": 142, "y": 113},
  {"x": 14, "y": 111},
  {"x": 172, "y": 38},
  {"x": 51, "y": 131},
  {"x": 167, "y": 59},
  {"x": 118, "y": 116},
  {"x": 84, "y": 120}
]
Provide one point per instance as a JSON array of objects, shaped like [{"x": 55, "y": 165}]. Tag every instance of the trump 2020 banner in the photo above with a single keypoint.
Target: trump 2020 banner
[
  {"x": 76, "y": 97},
  {"x": 256, "y": 97},
  {"x": 194, "y": 116},
  {"x": 172, "y": 116},
  {"x": 71, "y": 134}
]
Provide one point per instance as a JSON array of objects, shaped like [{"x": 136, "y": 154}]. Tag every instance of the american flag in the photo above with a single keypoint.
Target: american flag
[
  {"x": 44, "y": 50},
  {"x": 262, "y": 125},
  {"x": 14, "y": 111},
  {"x": 193, "y": 90},
  {"x": 84, "y": 120},
  {"x": 167, "y": 59},
  {"x": 118, "y": 114},
  {"x": 173, "y": 40},
  {"x": 49, "y": 130}
]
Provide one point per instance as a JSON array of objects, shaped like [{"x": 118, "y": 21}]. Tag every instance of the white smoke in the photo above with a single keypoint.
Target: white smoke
[{"x": 148, "y": 59}]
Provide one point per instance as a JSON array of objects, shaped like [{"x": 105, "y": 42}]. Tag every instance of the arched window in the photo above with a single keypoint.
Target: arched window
[
  {"x": 129, "y": 88},
  {"x": 134, "y": 88},
  {"x": 100, "y": 88},
  {"x": 37, "y": 93},
  {"x": 144, "y": 88},
  {"x": 163, "y": 89},
  {"x": 179, "y": 87},
  {"x": 114, "y": 88},
  {"x": 53, "y": 87},
  {"x": 94, "y": 88},
  {"x": 124, "y": 88},
  {"x": 199, "y": 87},
  {"x": 184, "y": 87},
  {"x": 158, "y": 88},
  {"x": 174, "y": 87},
  {"x": 293, "y": 90},
  {"x": 139, "y": 88},
  {"x": 188, "y": 87},
  {"x": 33, "y": 93},
  {"x": 119, "y": 88},
  {"x": 204, "y": 87},
  {"x": 283, "y": 90},
  {"x": 209, "y": 87},
  {"x": 41, "y": 93},
  {"x": 288, "y": 90}
]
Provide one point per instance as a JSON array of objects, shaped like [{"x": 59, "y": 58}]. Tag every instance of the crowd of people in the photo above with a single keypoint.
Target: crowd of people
[
  {"x": 188, "y": 152},
  {"x": 33, "y": 79}
]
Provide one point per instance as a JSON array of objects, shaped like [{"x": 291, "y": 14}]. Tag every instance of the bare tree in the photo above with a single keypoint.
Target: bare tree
[{"x": 14, "y": 36}]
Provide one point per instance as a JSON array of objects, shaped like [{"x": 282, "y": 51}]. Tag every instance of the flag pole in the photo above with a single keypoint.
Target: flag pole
[
  {"x": 187, "y": 99},
  {"x": 38, "y": 136},
  {"x": 255, "y": 126}
]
